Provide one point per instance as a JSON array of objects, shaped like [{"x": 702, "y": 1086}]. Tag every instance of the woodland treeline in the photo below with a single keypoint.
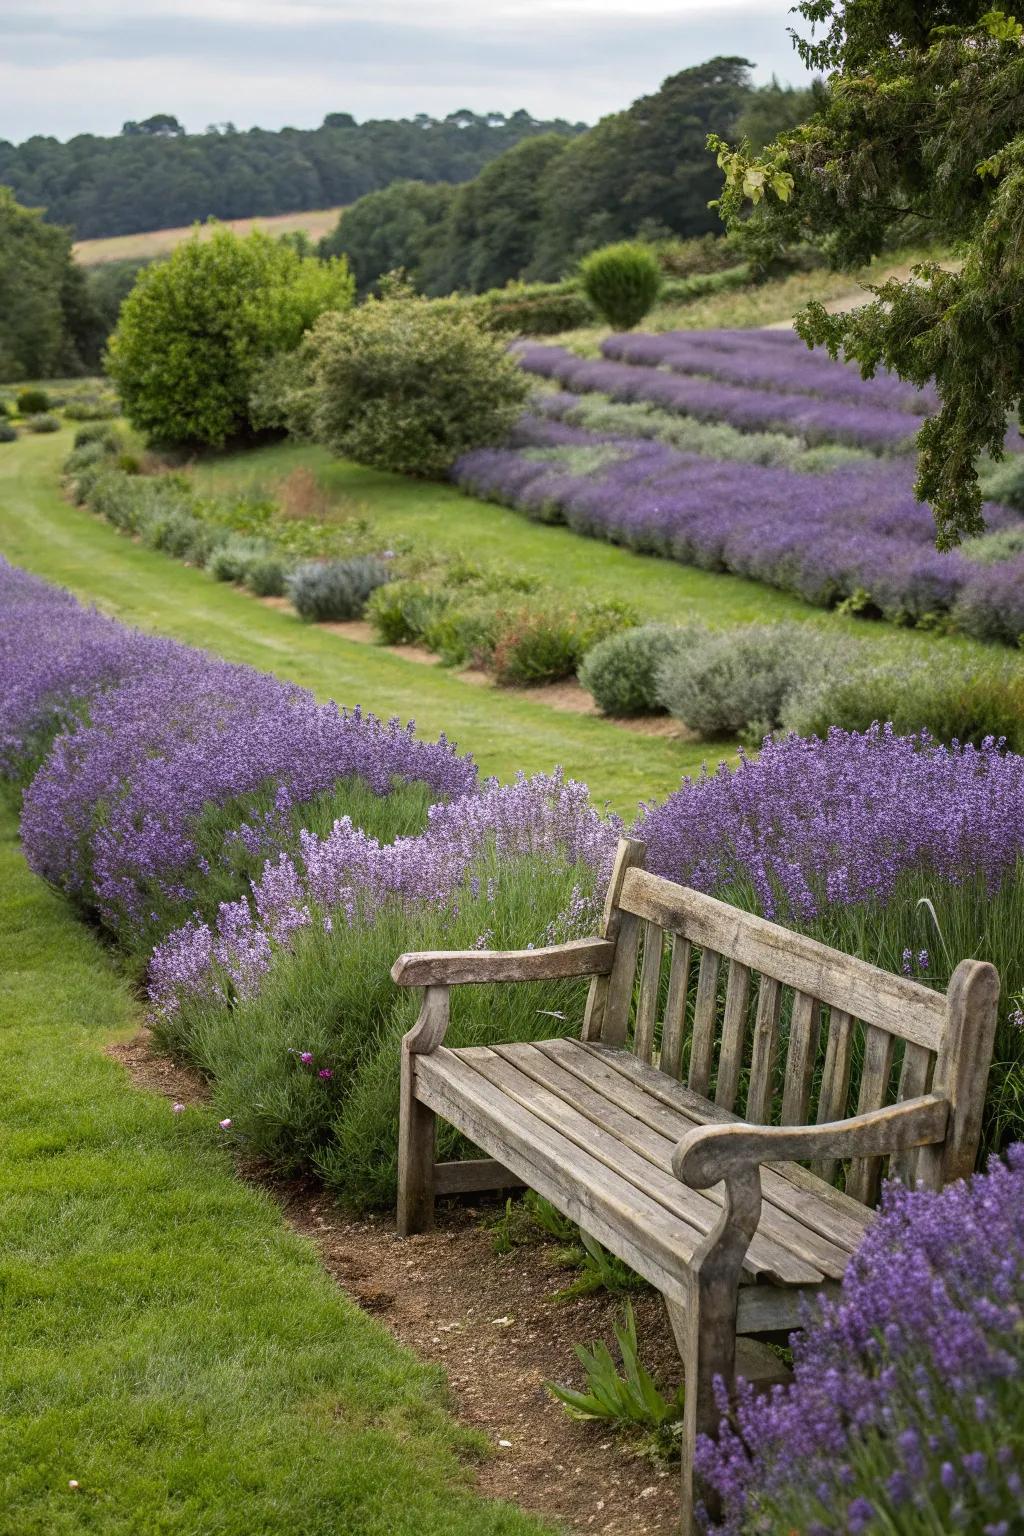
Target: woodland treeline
[
  {"x": 154, "y": 175},
  {"x": 533, "y": 211}
]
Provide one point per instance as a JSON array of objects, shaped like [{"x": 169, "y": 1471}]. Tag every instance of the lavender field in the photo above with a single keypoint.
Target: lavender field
[{"x": 795, "y": 472}]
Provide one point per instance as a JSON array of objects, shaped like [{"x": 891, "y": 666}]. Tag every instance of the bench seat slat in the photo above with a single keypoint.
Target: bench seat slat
[
  {"x": 842, "y": 1222},
  {"x": 692, "y": 1206},
  {"x": 678, "y": 1097},
  {"x": 657, "y": 1146}
]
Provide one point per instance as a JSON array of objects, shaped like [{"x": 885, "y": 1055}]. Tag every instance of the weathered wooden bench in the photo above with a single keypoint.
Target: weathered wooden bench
[{"x": 714, "y": 1210}]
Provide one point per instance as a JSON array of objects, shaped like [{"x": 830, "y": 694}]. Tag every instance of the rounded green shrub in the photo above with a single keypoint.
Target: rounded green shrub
[
  {"x": 335, "y": 589},
  {"x": 403, "y": 386},
  {"x": 196, "y": 329},
  {"x": 622, "y": 282},
  {"x": 8, "y": 434},
  {"x": 98, "y": 432},
  {"x": 267, "y": 576},
  {"x": 544, "y": 643},
  {"x": 231, "y": 560},
  {"x": 621, "y": 672},
  {"x": 32, "y": 402},
  {"x": 402, "y": 611},
  {"x": 42, "y": 423}
]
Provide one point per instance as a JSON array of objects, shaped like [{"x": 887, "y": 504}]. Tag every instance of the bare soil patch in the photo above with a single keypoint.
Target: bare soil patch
[{"x": 494, "y": 1325}]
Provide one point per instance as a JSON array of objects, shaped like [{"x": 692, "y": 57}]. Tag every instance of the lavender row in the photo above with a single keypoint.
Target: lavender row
[
  {"x": 739, "y": 358},
  {"x": 857, "y": 533},
  {"x": 750, "y": 410},
  {"x": 156, "y": 740}
]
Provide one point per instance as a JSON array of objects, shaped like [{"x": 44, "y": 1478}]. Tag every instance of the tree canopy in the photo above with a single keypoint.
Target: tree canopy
[
  {"x": 48, "y": 327},
  {"x": 920, "y": 127},
  {"x": 154, "y": 175}
]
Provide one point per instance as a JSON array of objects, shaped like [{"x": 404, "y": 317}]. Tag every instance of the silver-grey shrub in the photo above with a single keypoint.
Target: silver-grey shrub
[
  {"x": 232, "y": 559},
  {"x": 621, "y": 672},
  {"x": 736, "y": 682},
  {"x": 336, "y": 589}
]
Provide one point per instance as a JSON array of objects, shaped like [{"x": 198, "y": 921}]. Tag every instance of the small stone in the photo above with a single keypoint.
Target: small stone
[{"x": 506, "y": 1445}]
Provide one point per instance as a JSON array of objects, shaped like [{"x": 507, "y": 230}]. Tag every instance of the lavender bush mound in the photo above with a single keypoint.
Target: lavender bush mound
[
  {"x": 752, "y": 410},
  {"x": 814, "y": 824},
  {"x": 906, "y": 1413},
  {"x": 159, "y": 742},
  {"x": 347, "y": 878},
  {"x": 790, "y": 367}
]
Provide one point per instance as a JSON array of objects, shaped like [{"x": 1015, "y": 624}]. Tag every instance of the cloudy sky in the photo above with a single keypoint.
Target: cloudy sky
[{"x": 73, "y": 66}]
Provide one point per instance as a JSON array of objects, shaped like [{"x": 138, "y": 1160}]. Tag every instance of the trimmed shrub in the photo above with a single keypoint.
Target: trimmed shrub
[
  {"x": 98, "y": 432},
  {"x": 402, "y": 611},
  {"x": 267, "y": 576},
  {"x": 32, "y": 402},
  {"x": 736, "y": 682},
  {"x": 545, "y": 644},
  {"x": 621, "y": 672},
  {"x": 990, "y": 605},
  {"x": 42, "y": 423},
  {"x": 403, "y": 386},
  {"x": 8, "y": 434},
  {"x": 245, "y": 300},
  {"x": 336, "y": 589},
  {"x": 946, "y": 696},
  {"x": 91, "y": 408},
  {"x": 85, "y": 456},
  {"x": 533, "y": 309},
  {"x": 231, "y": 560},
  {"x": 622, "y": 282}
]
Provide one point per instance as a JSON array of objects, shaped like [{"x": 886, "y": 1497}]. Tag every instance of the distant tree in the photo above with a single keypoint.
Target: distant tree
[
  {"x": 45, "y": 317},
  {"x": 496, "y": 217},
  {"x": 646, "y": 166},
  {"x": 339, "y": 120},
  {"x": 403, "y": 226},
  {"x": 197, "y": 328},
  {"x": 775, "y": 109},
  {"x": 921, "y": 123},
  {"x": 161, "y": 126}
]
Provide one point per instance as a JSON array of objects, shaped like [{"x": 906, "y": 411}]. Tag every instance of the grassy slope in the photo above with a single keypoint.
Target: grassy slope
[
  {"x": 159, "y": 242},
  {"x": 43, "y": 533},
  {"x": 168, "y": 1343}
]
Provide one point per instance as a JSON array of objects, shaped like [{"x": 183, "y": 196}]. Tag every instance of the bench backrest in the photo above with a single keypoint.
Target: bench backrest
[{"x": 776, "y": 1027}]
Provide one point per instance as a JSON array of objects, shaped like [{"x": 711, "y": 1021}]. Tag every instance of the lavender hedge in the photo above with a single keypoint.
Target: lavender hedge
[
  {"x": 752, "y": 410},
  {"x": 773, "y": 360},
  {"x": 857, "y": 533},
  {"x": 906, "y": 1413}
]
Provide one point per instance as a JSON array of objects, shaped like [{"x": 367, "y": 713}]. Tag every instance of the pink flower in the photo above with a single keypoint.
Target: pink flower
[
  {"x": 325, "y": 1072},
  {"x": 177, "y": 1109},
  {"x": 225, "y": 1125},
  {"x": 305, "y": 1057}
]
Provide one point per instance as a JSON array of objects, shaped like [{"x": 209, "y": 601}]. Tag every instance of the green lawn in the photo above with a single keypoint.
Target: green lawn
[
  {"x": 169, "y": 1344},
  {"x": 44, "y": 533}
]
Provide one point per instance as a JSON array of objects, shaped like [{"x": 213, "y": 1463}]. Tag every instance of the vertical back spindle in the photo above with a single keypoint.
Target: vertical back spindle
[
  {"x": 629, "y": 855},
  {"x": 734, "y": 1035},
  {"x": 705, "y": 1020},
  {"x": 865, "y": 1173},
  {"x": 835, "y": 1081},
  {"x": 673, "y": 1029},
  {"x": 647, "y": 1001},
  {"x": 764, "y": 1052},
  {"x": 803, "y": 1049},
  {"x": 915, "y": 1078}
]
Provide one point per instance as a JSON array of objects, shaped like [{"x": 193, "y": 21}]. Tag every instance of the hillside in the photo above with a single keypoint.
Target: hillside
[{"x": 160, "y": 242}]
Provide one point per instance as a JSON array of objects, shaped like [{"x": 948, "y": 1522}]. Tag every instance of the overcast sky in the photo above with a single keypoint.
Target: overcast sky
[{"x": 74, "y": 66}]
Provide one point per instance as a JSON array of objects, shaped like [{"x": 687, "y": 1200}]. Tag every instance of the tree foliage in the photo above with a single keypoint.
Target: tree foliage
[
  {"x": 46, "y": 323},
  {"x": 154, "y": 175},
  {"x": 402, "y": 384},
  {"x": 622, "y": 282},
  {"x": 538, "y": 207},
  {"x": 921, "y": 125},
  {"x": 197, "y": 328}
]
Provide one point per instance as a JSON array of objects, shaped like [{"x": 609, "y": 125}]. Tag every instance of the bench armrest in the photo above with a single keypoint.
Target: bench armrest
[
  {"x": 455, "y": 967},
  {"x": 710, "y": 1153}
]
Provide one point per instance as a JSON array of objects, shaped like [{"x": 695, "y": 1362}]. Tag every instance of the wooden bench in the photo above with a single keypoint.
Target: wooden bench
[{"x": 714, "y": 1209}]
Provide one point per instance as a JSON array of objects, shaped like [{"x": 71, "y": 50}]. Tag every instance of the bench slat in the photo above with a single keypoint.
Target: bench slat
[
  {"x": 677, "y": 1097},
  {"x": 904, "y": 1007},
  {"x": 734, "y": 1035},
  {"x": 705, "y": 1023},
  {"x": 673, "y": 1033},
  {"x": 842, "y": 1221},
  {"x": 764, "y": 1052},
  {"x": 647, "y": 1001},
  {"x": 777, "y": 1223},
  {"x": 804, "y": 1027},
  {"x": 915, "y": 1080},
  {"x": 696, "y": 1208},
  {"x": 835, "y": 1081},
  {"x": 864, "y": 1176}
]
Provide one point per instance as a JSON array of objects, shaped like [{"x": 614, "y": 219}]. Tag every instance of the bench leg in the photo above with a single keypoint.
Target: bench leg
[
  {"x": 705, "y": 1333},
  {"x": 416, "y": 1151}
]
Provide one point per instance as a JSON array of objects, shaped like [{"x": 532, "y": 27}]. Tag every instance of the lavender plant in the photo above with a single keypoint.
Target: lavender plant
[{"x": 906, "y": 1413}]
